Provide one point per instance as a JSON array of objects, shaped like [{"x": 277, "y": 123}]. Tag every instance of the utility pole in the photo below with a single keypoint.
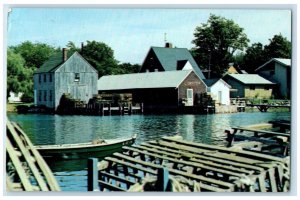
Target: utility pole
[{"x": 209, "y": 63}]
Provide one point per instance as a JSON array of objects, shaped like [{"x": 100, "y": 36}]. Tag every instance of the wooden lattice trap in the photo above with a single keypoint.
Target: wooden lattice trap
[
  {"x": 26, "y": 170},
  {"x": 172, "y": 164}
]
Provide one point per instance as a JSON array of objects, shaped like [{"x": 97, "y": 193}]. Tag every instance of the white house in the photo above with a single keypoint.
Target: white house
[
  {"x": 219, "y": 90},
  {"x": 14, "y": 97},
  {"x": 278, "y": 70}
]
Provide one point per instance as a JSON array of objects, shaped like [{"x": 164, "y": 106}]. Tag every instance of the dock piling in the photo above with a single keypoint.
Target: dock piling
[
  {"x": 162, "y": 179},
  {"x": 93, "y": 174}
]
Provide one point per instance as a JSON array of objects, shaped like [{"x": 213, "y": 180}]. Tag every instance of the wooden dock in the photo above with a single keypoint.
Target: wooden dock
[
  {"x": 26, "y": 170},
  {"x": 268, "y": 142},
  {"x": 172, "y": 164}
]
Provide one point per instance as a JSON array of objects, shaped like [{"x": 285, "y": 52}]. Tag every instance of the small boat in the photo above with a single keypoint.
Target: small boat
[{"x": 97, "y": 148}]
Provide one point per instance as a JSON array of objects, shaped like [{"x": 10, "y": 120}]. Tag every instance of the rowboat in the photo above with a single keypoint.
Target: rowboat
[{"x": 96, "y": 148}]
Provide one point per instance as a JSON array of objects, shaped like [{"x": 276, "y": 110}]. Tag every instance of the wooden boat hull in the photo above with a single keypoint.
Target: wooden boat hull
[{"x": 83, "y": 150}]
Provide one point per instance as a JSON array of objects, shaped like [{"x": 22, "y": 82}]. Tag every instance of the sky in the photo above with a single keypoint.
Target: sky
[{"x": 131, "y": 32}]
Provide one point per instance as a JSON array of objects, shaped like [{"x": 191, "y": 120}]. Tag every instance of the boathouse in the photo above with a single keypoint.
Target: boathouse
[
  {"x": 249, "y": 86},
  {"x": 156, "y": 90},
  {"x": 64, "y": 73},
  {"x": 278, "y": 70},
  {"x": 219, "y": 90},
  {"x": 170, "y": 59}
]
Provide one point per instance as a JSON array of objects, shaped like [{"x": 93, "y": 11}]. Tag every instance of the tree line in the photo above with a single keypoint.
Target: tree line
[
  {"x": 221, "y": 41},
  {"x": 25, "y": 58},
  {"x": 218, "y": 42}
]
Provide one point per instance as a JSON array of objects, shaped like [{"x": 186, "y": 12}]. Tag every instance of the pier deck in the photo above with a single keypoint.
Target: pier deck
[{"x": 172, "y": 164}]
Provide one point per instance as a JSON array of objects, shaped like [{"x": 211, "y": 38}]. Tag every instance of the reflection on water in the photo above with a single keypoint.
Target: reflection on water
[{"x": 55, "y": 129}]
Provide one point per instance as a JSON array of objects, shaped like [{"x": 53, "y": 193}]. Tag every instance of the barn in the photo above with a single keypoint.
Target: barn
[
  {"x": 166, "y": 89},
  {"x": 170, "y": 59},
  {"x": 64, "y": 73}
]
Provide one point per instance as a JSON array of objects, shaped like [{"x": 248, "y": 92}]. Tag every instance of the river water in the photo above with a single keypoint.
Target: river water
[{"x": 71, "y": 175}]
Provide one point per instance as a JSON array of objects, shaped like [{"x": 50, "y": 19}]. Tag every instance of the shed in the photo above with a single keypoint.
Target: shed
[
  {"x": 64, "y": 73},
  {"x": 156, "y": 89},
  {"x": 170, "y": 59},
  {"x": 278, "y": 70},
  {"x": 219, "y": 90},
  {"x": 249, "y": 85}
]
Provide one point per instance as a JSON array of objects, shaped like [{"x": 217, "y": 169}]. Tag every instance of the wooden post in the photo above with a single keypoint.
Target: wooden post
[
  {"x": 120, "y": 110},
  {"x": 93, "y": 175},
  {"x": 130, "y": 109},
  {"x": 162, "y": 179},
  {"x": 109, "y": 109},
  {"x": 102, "y": 109},
  {"x": 123, "y": 109},
  {"x": 142, "y": 108}
]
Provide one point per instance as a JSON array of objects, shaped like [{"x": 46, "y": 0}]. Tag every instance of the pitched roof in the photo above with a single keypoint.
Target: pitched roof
[
  {"x": 250, "y": 79},
  {"x": 165, "y": 79},
  {"x": 52, "y": 63},
  {"x": 210, "y": 82},
  {"x": 169, "y": 57},
  {"x": 283, "y": 61}
]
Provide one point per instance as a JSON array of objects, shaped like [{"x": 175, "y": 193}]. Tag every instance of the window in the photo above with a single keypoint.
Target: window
[
  {"x": 50, "y": 95},
  {"x": 50, "y": 77},
  {"x": 40, "y": 95},
  {"x": 45, "y": 77},
  {"x": 77, "y": 77},
  {"x": 252, "y": 87},
  {"x": 45, "y": 95},
  {"x": 267, "y": 87},
  {"x": 40, "y": 78}
]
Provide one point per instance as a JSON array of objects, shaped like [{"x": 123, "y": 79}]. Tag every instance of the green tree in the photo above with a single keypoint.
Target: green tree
[
  {"x": 34, "y": 54},
  {"x": 101, "y": 56},
  {"x": 257, "y": 54},
  {"x": 72, "y": 47},
  {"x": 279, "y": 47},
  {"x": 129, "y": 68},
  {"x": 216, "y": 41},
  {"x": 19, "y": 77},
  {"x": 254, "y": 57}
]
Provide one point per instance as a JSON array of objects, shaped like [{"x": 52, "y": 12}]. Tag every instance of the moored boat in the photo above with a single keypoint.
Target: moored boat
[{"x": 96, "y": 148}]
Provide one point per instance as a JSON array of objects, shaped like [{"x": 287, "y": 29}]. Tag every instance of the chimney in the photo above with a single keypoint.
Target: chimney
[
  {"x": 65, "y": 54},
  {"x": 169, "y": 45},
  {"x": 82, "y": 45}
]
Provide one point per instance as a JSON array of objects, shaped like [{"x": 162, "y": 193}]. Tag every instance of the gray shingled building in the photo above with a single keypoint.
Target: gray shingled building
[{"x": 64, "y": 73}]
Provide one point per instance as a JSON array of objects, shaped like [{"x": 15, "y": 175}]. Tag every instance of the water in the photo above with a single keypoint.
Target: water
[{"x": 71, "y": 175}]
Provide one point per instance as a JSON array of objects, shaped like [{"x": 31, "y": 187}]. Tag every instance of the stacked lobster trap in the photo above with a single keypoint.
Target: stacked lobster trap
[{"x": 175, "y": 165}]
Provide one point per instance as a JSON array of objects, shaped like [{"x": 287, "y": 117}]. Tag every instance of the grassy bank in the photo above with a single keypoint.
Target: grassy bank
[{"x": 12, "y": 107}]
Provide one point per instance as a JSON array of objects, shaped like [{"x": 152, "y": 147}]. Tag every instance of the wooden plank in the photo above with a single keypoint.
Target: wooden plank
[
  {"x": 18, "y": 165},
  {"x": 157, "y": 151},
  {"x": 27, "y": 156},
  {"x": 193, "y": 164},
  {"x": 110, "y": 187},
  {"x": 201, "y": 162},
  {"x": 40, "y": 161},
  {"x": 210, "y": 153},
  {"x": 194, "y": 157},
  {"x": 118, "y": 178},
  {"x": 177, "y": 172},
  {"x": 92, "y": 175},
  {"x": 150, "y": 171},
  {"x": 261, "y": 131},
  {"x": 265, "y": 141},
  {"x": 257, "y": 156}
]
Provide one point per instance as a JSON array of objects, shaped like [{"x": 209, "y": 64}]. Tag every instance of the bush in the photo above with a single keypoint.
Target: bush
[{"x": 27, "y": 98}]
